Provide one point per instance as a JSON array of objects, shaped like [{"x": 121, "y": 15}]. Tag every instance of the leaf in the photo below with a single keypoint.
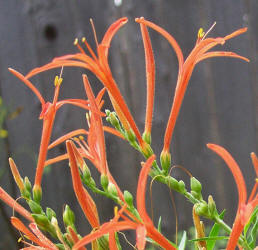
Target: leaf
[
  {"x": 253, "y": 232},
  {"x": 182, "y": 243},
  {"x": 251, "y": 220},
  {"x": 211, "y": 238},
  {"x": 214, "y": 232},
  {"x": 159, "y": 224}
]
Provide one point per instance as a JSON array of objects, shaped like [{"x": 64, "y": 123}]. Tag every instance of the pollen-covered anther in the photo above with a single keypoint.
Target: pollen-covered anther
[
  {"x": 115, "y": 210},
  {"x": 201, "y": 33},
  {"x": 58, "y": 81},
  {"x": 76, "y": 139},
  {"x": 81, "y": 138},
  {"x": 88, "y": 119},
  {"x": 75, "y": 41}
]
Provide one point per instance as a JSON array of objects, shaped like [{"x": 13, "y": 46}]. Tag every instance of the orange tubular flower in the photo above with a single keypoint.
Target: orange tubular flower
[
  {"x": 35, "y": 235},
  {"x": 6, "y": 198},
  {"x": 98, "y": 64},
  {"x": 143, "y": 228},
  {"x": 199, "y": 53},
  {"x": 48, "y": 116},
  {"x": 150, "y": 80},
  {"x": 86, "y": 202},
  {"x": 245, "y": 208},
  {"x": 152, "y": 232}
]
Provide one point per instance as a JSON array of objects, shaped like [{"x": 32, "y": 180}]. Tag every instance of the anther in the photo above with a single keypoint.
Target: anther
[{"x": 76, "y": 43}]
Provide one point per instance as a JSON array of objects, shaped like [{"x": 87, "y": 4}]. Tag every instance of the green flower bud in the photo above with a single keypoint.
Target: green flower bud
[
  {"x": 107, "y": 111},
  {"x": 37, "y": 194},
  {"x": 104, "y": 181},
  {"x": 114, "y": 120},
  {"x": 146, "y": 137},
  {"x": 35, "y": 207},
  {"x": 27, "y": 184},
  {"x": 128, "y": 198},
  {"x": 197, "y": 196},
  {"x": 146, "y": 150},
  {"x": 131, "y": 136},
  {"x": 26, "y": 194},
  {"x": 50, "y": 213},
  {"x": 201, "y": 209},
  {"x": 112, "y": 189},
  {"x": 68, "y": 217},
  {"x": 212, "y": 207},
  {"x": 196, "y": 186},
  {"x": 92, "y": 182},
  {"x": 44, "y": 224},
  {"x": 42, "y": 221},
  {"x": 181, "y": 185},
  {"x": 165, "y": 160},
  {"x": 86, "y": 172},
  {"x": 173, "y": 183}
]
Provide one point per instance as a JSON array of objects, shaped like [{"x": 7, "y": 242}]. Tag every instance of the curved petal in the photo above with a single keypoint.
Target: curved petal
[{"x": 235, "y": 170}]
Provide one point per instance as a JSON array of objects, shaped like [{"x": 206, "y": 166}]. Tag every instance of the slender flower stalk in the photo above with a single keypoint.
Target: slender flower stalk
[
  {"x": 186, "y": 67},
  {"x": 245, "y": 207}
]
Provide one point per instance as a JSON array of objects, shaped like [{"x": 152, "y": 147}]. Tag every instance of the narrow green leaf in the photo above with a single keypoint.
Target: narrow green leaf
[
  {"x": 251, "y": 220},
  {"x": 215, "y": 232},
  {"x": 211, "y": 238},
  {"x": 182, "y": 243},
  {"x": 253, "y": 234},
  {"x": 159, "y": 224}
]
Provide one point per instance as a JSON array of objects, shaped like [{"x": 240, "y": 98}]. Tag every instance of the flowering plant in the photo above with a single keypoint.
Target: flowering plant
[{"x": 42, "y": 229}]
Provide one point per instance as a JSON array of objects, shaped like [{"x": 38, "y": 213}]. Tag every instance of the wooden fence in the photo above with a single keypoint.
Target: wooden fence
[{"x": 220, "y": 105}]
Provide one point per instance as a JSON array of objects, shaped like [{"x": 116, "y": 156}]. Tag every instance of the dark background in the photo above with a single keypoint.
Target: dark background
[{"x": 220, "y": 105}]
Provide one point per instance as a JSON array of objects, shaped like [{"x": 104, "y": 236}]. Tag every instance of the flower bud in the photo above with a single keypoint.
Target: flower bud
[
  {"x": 130, "y": 135},
  {"x": 173, "y": 183},
  {"x": 196, "y": 195},
  {"x": 92, "y": 182},
  {"x": 35, "y": 207},
  {"x": 107, "y": 111},
  {"x": 146, "y": 150},
  {"x": 165, "y": 160},
  {"x": 212, "y": 207},
  {"x": 37, "y": 193},
  {"x": 27, "y": 183},
  {"x": 181, "y": 185},
  {"x": 50, "y": 213},
  {"x": 16, "y": 175},
  {"x": 86, "y": 172},
  {"x": 68, "y": 217},
  {"x": 196, "y": 186},
  {"x": 201, "y": 208},
  {"x": 128, "y": 198},
  {"x": 104, "y": 181},
  {"x": 112, "y": 189},
  {"x": 41, "y": 221},
  {"x": 146, "y": 137}
]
